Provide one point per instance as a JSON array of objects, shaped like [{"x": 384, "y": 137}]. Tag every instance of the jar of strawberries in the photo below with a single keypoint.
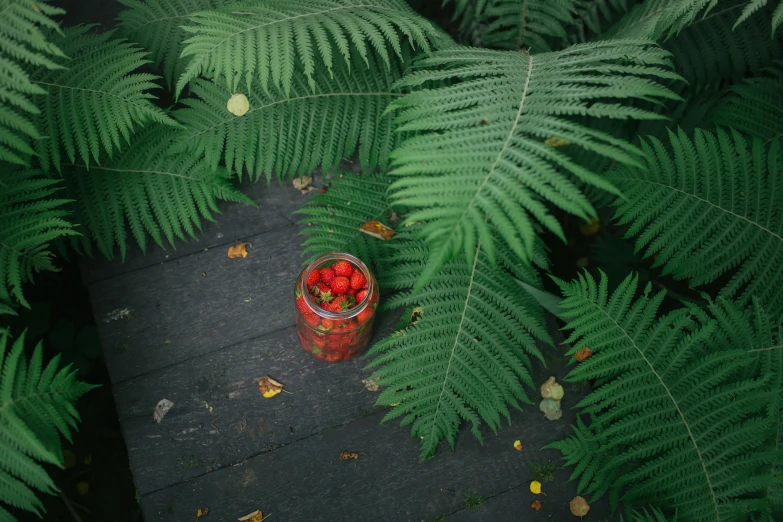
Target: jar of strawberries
[{"x": 336, "y": 298}]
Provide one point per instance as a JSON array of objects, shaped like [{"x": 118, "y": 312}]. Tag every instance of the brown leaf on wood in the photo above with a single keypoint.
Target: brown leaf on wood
[
  {"x": 583, "y": 354},
  {"x": 371, "y": 384},
  {"x": 269, "y": 387},
  {"x": 238, "y": 250},
  {"x": 255, "y": 516},
  {"x": 579, "y": 506},
  {"x": 536, "y": 505},
  {"x": 377, "y": 229}
]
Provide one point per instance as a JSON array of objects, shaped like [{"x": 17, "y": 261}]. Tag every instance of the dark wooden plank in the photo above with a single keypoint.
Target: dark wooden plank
[
  {"x": 219, "y": 417},
  {"x": 170, "y": 312},
  {"x": 237, "y": 221}
]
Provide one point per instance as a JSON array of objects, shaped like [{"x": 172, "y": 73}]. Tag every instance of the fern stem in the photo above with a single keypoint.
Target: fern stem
[
  {"x": 674, "y": 401},
  {"x": 124, "y": 99},
  {"x": 456, "y": 339},
  {"x": 767, "y": 348},
  {"x": 134, "y": 171}
]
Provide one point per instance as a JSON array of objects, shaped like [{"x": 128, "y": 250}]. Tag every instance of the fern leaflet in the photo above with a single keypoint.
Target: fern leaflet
[
  {"x": 154, "y": 192},
  {"x": 333, "y": 219},
  {"x": 262, "y": 41},
  {"x": 295, "y": 133},
  {"x": 89, "y": 111},
  {"x": 469, "y": 353},
  {"x": 711, "y": 206},
  {"x": 673, "y": 420},
  {"x": 31, "y": 217},
  {"x": 23, "y": 42},
  {"x": 155, "y": 25},
  {"x": 36, "y": 407},
  {"x": 482, "y": 152},
  {"x": 653, "y": 515}
]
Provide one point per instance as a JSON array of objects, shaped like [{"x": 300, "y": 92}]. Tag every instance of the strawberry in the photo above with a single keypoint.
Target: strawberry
[
  {"x": 360, "y": 295},
  {"x": 358, "y": 281},
  {"x": 327, "y": 323},
  {"x": 312, "y": 319},
  {"x": 323, "y": 287},
  {"x": 341, "y": 303},
  {"x": 353, "y": 292},
  {"x": 327, "y": 275},
  {"x": 302, "y": 305},
  {"x": 313, "y": 278},
  {"x": 364, "y": 315},
  {"x": 343, "y": 268},
  {"x": 340, "y": 285}
]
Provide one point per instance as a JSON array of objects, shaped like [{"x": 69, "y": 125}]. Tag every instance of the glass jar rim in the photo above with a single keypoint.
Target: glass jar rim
[{"x": 336, "y": 256}]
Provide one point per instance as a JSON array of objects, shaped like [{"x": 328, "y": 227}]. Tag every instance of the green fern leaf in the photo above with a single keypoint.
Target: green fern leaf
[
  {"x": 482, "y": 154},
  {"x": 653, "y": 515},
  {"x": 150, "y": 190},
  {"x": 155, "y": 25},
  {"x": 31, "y": 217},
  {"x": 469, "y": 353},
  {"x": 94, "y": 103},
  {"x": 595, "y": 17},
  {"x": 262, "y": 41},
  {"x": 333, "y": 218},
  {"x": 754, "y": 107},
  {"x": 23, "y": 43},
  {"x": 754, "y": 6},
  {"x": 36, "y": 408},
  {"x": 295, "y": 133},
  {"x": 674, "y": 422},
  {"x": 709, "y": 206}
]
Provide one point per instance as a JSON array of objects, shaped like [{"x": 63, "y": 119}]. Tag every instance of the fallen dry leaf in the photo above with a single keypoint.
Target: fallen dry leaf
[
  {"x": 535, "y": 487},
  {"x": 579, "y": 506},
  {"x": 238, "y": 104},
  {"x": 551, "y": 390},
  {"x": 255, "y": 516},
  {"x": 377, "y": 229},
  {"x": 370, "y": 384},
  {"x": 554, "y": 141},
  {"x": 536, "y": 504},
  {"x": 302, "y": 184},
  {"x": 202, "y": 513},
  {"x": 590, "y": 228},
  {"x": 269, "y": 387},
  {"x": 551, "y": 409},
  {"x": 347, "y": 455},
  {"x": 238, "y": 250},
  {"x": 162, "y": 408},
  {"x": 518, "y": 445},
  {"x": 583, "y": 354}
]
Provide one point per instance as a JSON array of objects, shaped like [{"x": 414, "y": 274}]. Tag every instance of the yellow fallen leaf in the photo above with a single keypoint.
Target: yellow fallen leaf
[
  {"x": 535, "y": 487},
  {"x": 238, "y": 250},
  {"x": 269, "y": 387},
  {"x": 551, "y": 390},
  {"x": 590, "y": 227},
  {"x": 518, "y": 445},
  {"x": 255, "y": 516},
  {"x": 554, "y": 141},
  {"x": 238, "y": 104},
  {"x": 377, "y": 229},
  {"x": 202, "y": 513},
  {"x": 579, "y": 506}
]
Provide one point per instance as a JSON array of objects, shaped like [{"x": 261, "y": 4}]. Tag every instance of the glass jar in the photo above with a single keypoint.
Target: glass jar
[{"x": 328, "y": 334}]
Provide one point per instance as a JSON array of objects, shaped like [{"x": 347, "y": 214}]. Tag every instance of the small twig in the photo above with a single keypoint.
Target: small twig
[
  {"x": 213, "y": 424},
  {"x": 68, "y": 504}
]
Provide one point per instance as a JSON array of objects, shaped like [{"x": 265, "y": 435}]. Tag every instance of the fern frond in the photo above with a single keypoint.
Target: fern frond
[
  {"x": 333, "y": 219},
  {"x": 656, "y": 19},
  {"x": 707, "y": 206},
  {"x": 23, "y": 42},
  {"x": 482, "y": 152},
  {"x": 96, "y": 101},
  {"x": 653, "y": 515},
  {"x": 263, "y": 41},
  {"x": 32, "y": 215},
  {"x": 6, "y": 309},
  {"x": 36, "y": 408},
  {"x": 469, "y": 354},
  {"x": 595, "y": 17},
  {"x": 753, "y": 107},
  {"x": 678, "y": 424},
  {"x": 150, "y": 190},
  {"x": 310, "y": 128},
  {"x": 156, "y": 26}
]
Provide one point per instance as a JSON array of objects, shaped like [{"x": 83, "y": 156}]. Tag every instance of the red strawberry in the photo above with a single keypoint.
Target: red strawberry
[
  {"x": 327, "y": 323},
  {"x": 301, "y": 304},
  {"x": 327, "y": 275},
  {"x": 360, "y": 295},
  {"x": 341, "y": 285},
  {"x": 343, "y": 268},
  {"x": 312, "y": 319},
  {"x": 323, "y": 287},
  {"x": 313, "y": 278},
  {"x": 353, "y": 292},
  {"x": 364, "y": 315},
  {"x": 358, "y": 281},
  {"x": 341, "y": 303}
]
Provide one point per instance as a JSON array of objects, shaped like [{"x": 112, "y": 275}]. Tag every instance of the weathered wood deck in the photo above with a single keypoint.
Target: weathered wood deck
[{"x": 200, "y": 329}]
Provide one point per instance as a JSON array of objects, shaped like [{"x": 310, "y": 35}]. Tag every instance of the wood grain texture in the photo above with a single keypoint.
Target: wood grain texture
[{"x": 219, "y": 416}]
